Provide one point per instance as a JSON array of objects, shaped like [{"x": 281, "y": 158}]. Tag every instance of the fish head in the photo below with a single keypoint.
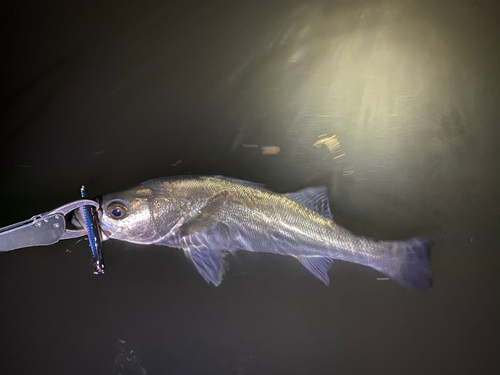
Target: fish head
[{"x": 126, "y": 216}]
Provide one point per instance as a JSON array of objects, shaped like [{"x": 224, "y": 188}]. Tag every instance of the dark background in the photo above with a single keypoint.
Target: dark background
[{"x": 108, "y": 94}]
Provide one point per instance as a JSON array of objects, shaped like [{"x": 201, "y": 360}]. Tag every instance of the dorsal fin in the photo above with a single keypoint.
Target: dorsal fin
[{"x": 315, "y": 198}]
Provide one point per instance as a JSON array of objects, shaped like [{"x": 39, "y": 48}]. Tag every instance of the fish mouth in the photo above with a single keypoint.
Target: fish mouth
[
  {"x": 79, "y": 221},
  {"x": 106, "y": 230}
]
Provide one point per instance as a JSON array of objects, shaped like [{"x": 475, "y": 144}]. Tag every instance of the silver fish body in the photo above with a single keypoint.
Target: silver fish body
[{"x": 211, "y": 216}]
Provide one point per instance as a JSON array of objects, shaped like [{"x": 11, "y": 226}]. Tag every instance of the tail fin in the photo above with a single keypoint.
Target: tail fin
[{"x": 411, "y": 266}]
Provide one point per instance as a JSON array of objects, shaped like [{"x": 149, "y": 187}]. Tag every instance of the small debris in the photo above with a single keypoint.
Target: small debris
[
  {"x": 176, "y": 163},
  {"x": 382, "y": 278},
  {"x": 270, "y": 150},
  {"x": 251, "y": 146},
  {"x": 128, "y": 360}
]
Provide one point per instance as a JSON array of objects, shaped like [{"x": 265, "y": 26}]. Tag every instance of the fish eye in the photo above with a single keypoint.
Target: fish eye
[{"x": 117, "y": 210}]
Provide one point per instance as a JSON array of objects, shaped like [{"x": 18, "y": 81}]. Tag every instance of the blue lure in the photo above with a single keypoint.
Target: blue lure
[{"x": 94, "y": 235}]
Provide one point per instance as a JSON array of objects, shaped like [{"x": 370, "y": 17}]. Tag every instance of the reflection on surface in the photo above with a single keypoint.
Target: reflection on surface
[{"x": 331, "y": 143}]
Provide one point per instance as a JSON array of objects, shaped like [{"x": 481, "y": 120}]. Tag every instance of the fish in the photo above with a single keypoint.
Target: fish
[{"x": 209, "y": 217}]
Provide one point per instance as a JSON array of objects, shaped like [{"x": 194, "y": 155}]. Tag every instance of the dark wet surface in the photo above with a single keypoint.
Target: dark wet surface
[{"x": 111, "y": 94}]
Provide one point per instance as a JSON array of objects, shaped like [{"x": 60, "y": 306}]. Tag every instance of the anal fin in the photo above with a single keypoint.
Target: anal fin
[{"x": 318, "y": 266}]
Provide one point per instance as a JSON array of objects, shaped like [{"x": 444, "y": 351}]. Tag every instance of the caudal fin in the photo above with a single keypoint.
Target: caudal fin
[{"x": 411, "y": 264}]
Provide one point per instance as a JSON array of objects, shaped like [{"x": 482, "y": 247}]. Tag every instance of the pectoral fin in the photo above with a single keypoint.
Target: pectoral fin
[
  {"x": 318, "y": 266},
  {"x": 206, "y": 218}
]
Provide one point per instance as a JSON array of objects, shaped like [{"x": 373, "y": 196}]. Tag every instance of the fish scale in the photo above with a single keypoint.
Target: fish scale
[{"x": 210, "y": 216}]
